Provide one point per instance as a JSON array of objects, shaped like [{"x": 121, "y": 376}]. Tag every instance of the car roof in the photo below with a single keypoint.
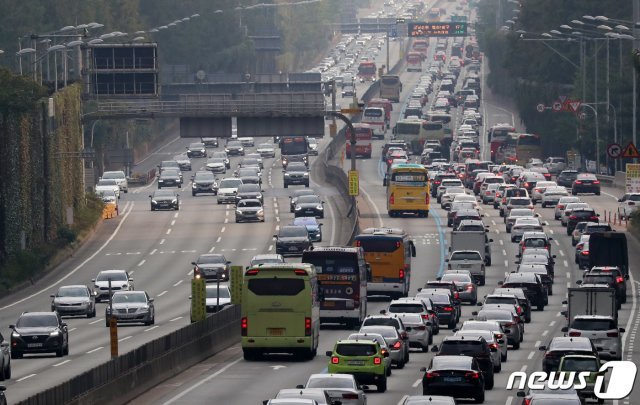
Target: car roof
[{"x": 570, "y": 343}]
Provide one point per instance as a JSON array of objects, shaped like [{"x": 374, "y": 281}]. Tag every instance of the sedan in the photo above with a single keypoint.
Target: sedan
[
  {"x": 196, "y": 149},
  {"x": 249, "y": 210},
  {"x": 457, "y": 376},
  {"x": 222, "y": 155},
  {"x": 217, "y": 297},
  {"x": 114, "y": 280},
  {"x": 183, "y": 161},
  {"x": 467, "y": 288},
  {"x": 586, "y": 183},
  {"x": 210, "y": 142},
  {"x": 309, "y": 206},
  {"x": 314, "y": 228},
  {"x": 552, "y": 195},
  {"x": 74, "y": 300},
  {"x": 39, "y": 332},
  {"x": 165, "y": 199},
  {"x": 340, "y": 387},
  {"x": 292, "y": 240},
  {"x": 212, "y": 266},
  {"x": 427, "y": 400},
  {"x": 293, "y": 199},
  {"x": 131, "y": 307},
  {"x": 266, "y": 150},
  {"x": 216, "y": 165}
]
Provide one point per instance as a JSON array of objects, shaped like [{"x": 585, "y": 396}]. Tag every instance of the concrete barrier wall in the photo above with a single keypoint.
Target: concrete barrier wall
[{"x": 122, "y": 379}]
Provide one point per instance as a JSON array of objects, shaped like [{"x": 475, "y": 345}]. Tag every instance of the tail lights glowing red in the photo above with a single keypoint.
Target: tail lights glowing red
[
  {"x": 396, "y": 346},
  {"x": 335, "y": 360},
  {"x": 377, "y": 360},
  {"x": 574, "y": 333},
  {"x": 244, "y": 325},
  {"x": 307, "y": 326}
]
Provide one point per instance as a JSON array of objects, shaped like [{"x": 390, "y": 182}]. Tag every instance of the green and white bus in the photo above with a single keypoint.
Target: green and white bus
[{"x": 280, "y": 310}]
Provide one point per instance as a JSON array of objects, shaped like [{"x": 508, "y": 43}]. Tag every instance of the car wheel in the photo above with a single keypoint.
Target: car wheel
[
  {"x": 153, "y": 209},
  {"x": 3, "y": 373},
  {"x": 16, "y": 354},
  {"x": 544, "y": 205},
  {"x": 7, "y": 371},
  {"x": 388, "y": 372},
  {"x": 503, "y": 357},
  {"x": 480, "y": 397},
  {"x": 106, "y": 323},
  {"x": 193, "y": 194},
  {"x": 60, "y": 352},
  {"x": 425, "y": 348},
  {"x": 286, "y": 185},
  {"x": 382, "y": 385},
  {"x": 497, "y": 368},
  {"x": 516, "y": 345},
  {"x": 400, "y": 365},
  {"x": 66, "y": 350}
]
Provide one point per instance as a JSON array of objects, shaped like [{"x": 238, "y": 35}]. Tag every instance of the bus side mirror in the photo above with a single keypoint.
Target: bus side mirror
[
  {"x": 384, "y": 181},
  {"x": 413, "y": 249}
]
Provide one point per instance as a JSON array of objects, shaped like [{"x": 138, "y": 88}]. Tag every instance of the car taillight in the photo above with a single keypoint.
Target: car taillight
[
  {"x": 508, "y": 324},
  {"x": 487, "y": 193},
  {"x": 519, "y": 310},
  {"x": 526, "y": 184},
  {"x": 537, "y": 190},
  {"x": 432, "y": 374},
  {"x": 424, "y": 316},
  {"x": 335, "y": 360},
  {"x": 574, "y": 333},
  {"x": 426, "y": 198},
  {"x": 351, "y": 395},
  {"x": 499, "y": 335},
  {"x": 392, "y": 199},
  {"x": 560, "y": 206},
  {"x": 573, "y": 217},
  {"x": 527, "y": 401},
  {"x": 244, "y": 325},
  {"x": 474, "y": 375},
  {"x": 307, "y": 326},
  {"x": 596, "y": 182},
  {"x": 401, "y": 274},
  {"x": 594, "y": 218},
  {"x": 383, "y": 351},
  {"x": 619, "y": 279},
  {"x": 397, "y": 345},
  {"x": 585, "y": 253},
  {"x": 578, "y": 182},
  {"x": 612, "y": 334},
  {"x": 456, "y": 295},
  {"x": 493, "y": 345},
  {"x": 470, "y": 287},
  {"x": 448, "y": 309},
  {"x": 377, "y": 360}
]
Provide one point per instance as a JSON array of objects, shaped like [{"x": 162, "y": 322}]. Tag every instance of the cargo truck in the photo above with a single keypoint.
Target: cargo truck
[
  {"x": 609, "y": 249},
  {"x": 472, "y": 240}
]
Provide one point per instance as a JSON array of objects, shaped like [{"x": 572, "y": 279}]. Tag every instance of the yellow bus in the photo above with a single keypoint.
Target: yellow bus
[
  {"x": 407, "y": 190},
  {"x": 280, "y": 310},
  {"x": 388, "y": 252}
]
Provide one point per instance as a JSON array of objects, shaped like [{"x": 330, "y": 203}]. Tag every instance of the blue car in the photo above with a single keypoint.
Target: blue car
[{"x": 314, "y": 228}]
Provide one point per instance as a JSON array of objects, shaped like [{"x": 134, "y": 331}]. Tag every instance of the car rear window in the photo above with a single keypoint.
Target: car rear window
[
  {"x": 466, "y": 256},
  {"x": 406, "y": 308},
  {"x": 597, "y": 279},
  {"x": 276, "y": 286},
  {"x": 461, "y": 347},
  {"x": 593, "y": 324},
  {"x": 348, "y": 349}
]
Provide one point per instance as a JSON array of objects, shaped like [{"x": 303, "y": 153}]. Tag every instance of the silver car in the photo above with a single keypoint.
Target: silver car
[
  {"x": 552, "y": 195},
  {"x": 506, "y": 319},
  {"x": 131, "y": 307},
  {"x": 516, "y": 213},
  {"x": 562, "y": 204},
  {"x": 470, "y": 260},
  {"x": 567, "y": 211},
  {"x": 417, "y": 330},
  {"x": 603, "y": 332},
  {"x": 467, "y": 288},
  {"x": 492, "y": 341},
  {"x": 398, "y": 348},
  {"x": 496, "y": 328},
  {"x": 523, "y": 225},
  {"x": 74, "y": 300},
  {"x": 340, "y": 387}
]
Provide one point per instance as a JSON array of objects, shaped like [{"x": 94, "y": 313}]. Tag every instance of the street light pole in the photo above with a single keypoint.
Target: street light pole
[{"x": 595, "y": 113}]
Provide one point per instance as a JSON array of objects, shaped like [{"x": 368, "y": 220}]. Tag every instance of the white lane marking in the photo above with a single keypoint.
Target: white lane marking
[
  {"x": 218, "y": 240},
  {"x": 94, "y": 350},
  {"x": 565, "y": 263},
  {"x": 25, "y": 377},
  {"x": 224, "y": 228},
  {"x": 178, "y": 283},
  {"x": 504, "y": 252},
  {"x": 493, "y": 222},
  {"x": 141, "y": 262},
  {"x": 61, "y": 363},
  {"x": 612, "y": 196},
  {"x": 276, "y": 211},
  {"x": 81, "y": 265},
  {"x": 506, "y": 263},
  {"x": 568, "y": 274},
  {"x": 168, "y": 231},
  {"x": 173, "y": 222},
  {"x": 551, "y": 231},
  {"x": 568, "y": 284},
  {"x": 162, "y": 293},
  {"x": 153, "y": 252},
  {"x": 509, "y": 400},
  {"x": 416, "y": 383},
  {"x": 523, "y": 368},
  {"x": 277, "y": 219},
  {"x": 72, "y": 329},
  {"x": 226, "y": 220},
  {"x": 402, "y": 400},
  {"x": 176, "y": 215},
  {"x": 212, "y": 248},
  {"x": 538, "y": 343},
  {"x": 545, "y": 333},
  {"x": 633, "y": 311},
  {"x": 270, "y": 248},
  {"x": 561, "y": 253},
  {"x": 151, "y": 328},
  {"x": 96, "y": 321},
  {"x": 277, "y": 228},
  {"x": 203, "y": 381},
  {"x": 131, "y": 272},
  {"x": 501, "y": 242},
  {"x": 530, "y": 356},
  {"x": 162, "y": 241},
  {"x": 175, "y": 319},
  {"x": 552, "y": 323},
  {"x": 556, "y": 242},
  {"x": 226, "y": 213},
  {"x": 124, "y": 338},
  {"x": 190, "y": 272}
]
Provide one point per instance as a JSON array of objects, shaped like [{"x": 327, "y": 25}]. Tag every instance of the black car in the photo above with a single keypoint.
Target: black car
[
  {"x": 165, "y": 200},
  {"x": 452, "y": 287},
  {"x": 5, "y": 360},
  {"x": 566, "y": 178},
  {"x": 3, "y": 398},
  {"x": 292, "y": 240},
  {"x": 561, "y": 346},
  {"x": 444, "y": 307},
  {"x": 204, "y": 182},
  {"x": 542, "y": 272},
  {"x": 249, "y": 210},
  {"x": 309, "y": 206},
  {"x": 210, "y": 142},
  {"x": 296, "y": 173},
  {"x": 297, "y": 194},
  {"x": 234, "y": 148},
  {"x": 581, "y": 215},
  {"x": 501, "y": 295},
  {"x": 475, "y": 347},
  {"x": 196, "y": 149},
  {"x": 586, "y": 183},
  {"x": 611, "y": 276},
  {"x": 170, "y": 178},
  {"x": 39, "y": 332},
  {"x": 212, "y": 266},
  {"x": 249, "y": 175},
  {"x": 249, "y": 191},
  {"x": 457, "y": 376},
  {"x": 532, "y": 286}
]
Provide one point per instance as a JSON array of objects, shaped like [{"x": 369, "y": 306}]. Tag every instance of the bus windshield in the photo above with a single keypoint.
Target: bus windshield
[
  {"x": 409, "y": 178},
  {"x": 410, "y": 128},
  {"x": 390, "y": 80},
  {"x": 528, "y": 140},
  {"x": 367, "y": 68},
  {"x": 293, "y": 145}
]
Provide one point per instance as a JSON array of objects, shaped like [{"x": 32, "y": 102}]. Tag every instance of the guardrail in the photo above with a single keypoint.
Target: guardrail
[
  {"x": 617, "y": 181},
  {"x": 122, "y": 379}
]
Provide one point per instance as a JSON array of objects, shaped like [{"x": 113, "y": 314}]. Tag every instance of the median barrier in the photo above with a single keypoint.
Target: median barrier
[{"x": 122, "y": 379}]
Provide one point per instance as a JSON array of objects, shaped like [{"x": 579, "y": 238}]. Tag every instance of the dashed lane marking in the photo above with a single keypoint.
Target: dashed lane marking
[
  {"x": 168, "y": 231},
  {"x": 163, "y": 293},
  {"x": 530, "y": 356},
  {"x": 95, "y": 350},
  {"x": 125, "y": 338},
  {"x": 96, "y": 321},
  {"x": 219, "y": 239},
  {"x": 178, "y": 283},
  {"x": 141, "y": 262},
  {"x": 416, "y": 383},
  {"x": 61, "y": 363},
  {"x": 151, "y": 328},
  {"x": 173, "y": 222},
  {"x": 565, "y": 263},
  {"x": 224, "y": 228},
  {"x": 26, "y": 377},
  {"x": 175, "y": 319},
  {"x": 545, "y": 333},
  {"x": 153, "y": 252},
  {"x": 561, "y": 253},
  {"x": 162, "y": 241}
]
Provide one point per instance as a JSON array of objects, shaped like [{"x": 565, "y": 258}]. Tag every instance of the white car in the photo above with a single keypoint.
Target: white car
[
  {"x": 266, "y": 150},
  {"x": 246, "y": 141},
  {"x": 540, "y": 188},
  {"x": 417, "y": 329},
  {"x": 120, "y": 281},
  {"x": 119, "y": 177},
  {"x": 627, "y": 204},
  {"x": 552, "y": 196},
  {"x": 108, "y": 185},
  {"x": 228, "y": 189},
  {"x": 470, "y": 260},
  {"x": 336, "y": 382},
  {"x": 523, "y": 225},
  {"x": 446, "y": 183},
  {"x": 488, "y": 195},
  {"x": 449, "y": 195},
  {"x": 494, "y": 327},
  {"x": 562, "y": 204}
]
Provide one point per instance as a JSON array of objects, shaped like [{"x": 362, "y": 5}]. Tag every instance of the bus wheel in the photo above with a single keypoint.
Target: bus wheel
[
  {"x": 250, "y": 354},
  {"x": 426, "y": 214}
]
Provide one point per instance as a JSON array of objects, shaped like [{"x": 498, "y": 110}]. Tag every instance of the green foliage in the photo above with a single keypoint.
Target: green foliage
[
  {"x": 635, "y": 219},
  {"x": 17, "y": 93}
]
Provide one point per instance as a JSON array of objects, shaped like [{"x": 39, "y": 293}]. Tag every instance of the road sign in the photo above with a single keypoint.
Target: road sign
[
  {"x": 582, "y": 116},
  {"x": 198, "y": 300},
  {"x": 632, "y": 181},
  {"x": 354, "y": 188},
  {"x": 236, "y": 284},
  {"x": 351, "y": 110},
  {"x": 630, "y": 151},
  {"x": 557, "y": 106},
  {"x": 614, "y": 150},
  {"x": 562, "y": 99},
  {"x": 574, "y": 105},
  {"x": 438, "y": 29},
  {"x": 540, "y": 107}
]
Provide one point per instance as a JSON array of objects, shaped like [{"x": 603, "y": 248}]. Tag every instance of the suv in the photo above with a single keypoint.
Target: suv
[
  {"x": 296, "y": 173},
  {"x": 470, "y": 260},
  {"x": 196, "y": 149},
  {"x": 561, "y": 346},
  {"x": 612, "y": 276},
  {"x": 477, "y": 347},
  {"x": 532, "y": 286},
  {"x": 602, "y": 330},
  {"x": 119, "y": 177},
  {"x": 362, "y": 358},
  {"x": 292, "y": 240},
  {"x": 555, "y": 165},
  {"x": 39, "y": 332},
  {"x": 203, "y": 182},
  {"x": 628, "y": 204},
  {"x": 580, "y": 215},
  {"x": 234, "y": 148},
  {"x": 566, "y": 178}
]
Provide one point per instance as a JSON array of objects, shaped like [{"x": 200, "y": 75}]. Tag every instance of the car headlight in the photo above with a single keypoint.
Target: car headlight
[
  {"x": 260, "y": 212},
  {"x": 160, "y": 180},
  {"x": 15, "y": 334},
  {"x": 194, "y": 185},
  {"x": 306, "y": 175},
  {"x": 226, "y": 150},
  {"x": 174, "y": 201},
  {"x": 144, "y": 309},
  {"x": 320, "y": 207},
  {"x": 203, "y": 150},
  {"x": 298, "y": 208},
  {"x": 286, "y": 175},
  {"x": 152, "y": 202},
  {"x": 188, "y": 150},
  {"x": 55, "y": 333},
  {"x": 238, "y": 212}
]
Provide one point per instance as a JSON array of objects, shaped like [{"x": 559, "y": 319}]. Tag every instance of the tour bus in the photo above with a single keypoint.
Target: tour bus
[
  {"x": 407, "y": 190},
  {"x": 294, "y": 149},
  {"x": 388, "y": 251},
  {"x": 414, "y": 62},
  {"x": 527, "y": 146},
  {"x": 415, "y": 132},
  {"x": 367, "y": 71},
  {"x": 445, "y": 119},
  {"x": 375, "y": 117},
  {"x": 364, "y": 136},
  {"x": 342, "y": 283},
  {"x": 496, "y": 136},
  {"x": 390, "y": 88},
  {"x": 421, "y": 46},
  {"x": 383, "y": 103},
  {"x": 280, "y": 310}
]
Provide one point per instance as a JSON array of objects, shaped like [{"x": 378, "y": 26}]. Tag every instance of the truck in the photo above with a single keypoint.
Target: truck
[
  {"x": 590, "y": 299},
  {"x": 472, "y": 240},
  {"x": 609, "y": 249}
]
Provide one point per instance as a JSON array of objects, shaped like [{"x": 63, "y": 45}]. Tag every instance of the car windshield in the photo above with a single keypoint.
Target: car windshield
[
  {"x": 465, "y": 256},
  {"x": 221, "y": 155},
  {"x": 230, "y": 183},
  {"x": 308, "y": 199},
  {"x": 122, "y": 298},
  {"x": 535, "y": 242},
  {"x": 170, "y": 172},
  {"x": 163, "y": 193},
  {"x": 249, "y": 203},
  {"x": 460, "y": 347},
  {"x": 265, "y": 146},
  {"x": 247, "y": 172},
  {"x": 521, "y": 213},
  {"x": 197, "y": 145},
  {"x": 329, "y": 382},
  {"x": 112, "y": 175},
  {"x": 234, "y": 144},
  {"x": 118, "y": 276},
  {"x": 406, "y": 308},
  {"x": 293, "y": 231},
  {"x": 209, "y": 259},
  {"x": 37, "y": 321},
  {"x": 386, "y": 330},
  {"x": 212, "y": 292},
  {"x": 249, "y": 188},
  {"x": 216, "y": 160},
  {"x": 580, "y": 364},
  {"x": 107, "y": 182},
  {"x": 204, "y": 177},
  {"x": 72, "y": 292}
]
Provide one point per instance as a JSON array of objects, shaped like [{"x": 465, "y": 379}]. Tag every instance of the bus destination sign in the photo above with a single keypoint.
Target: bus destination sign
[{"x": 438, "y": 29}]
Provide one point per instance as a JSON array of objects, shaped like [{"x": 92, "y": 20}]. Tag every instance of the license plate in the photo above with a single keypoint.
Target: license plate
[
  {"x": 452, "y": 379},
  {"x": 34, "y": 345},
  {"x": 464, "y": 266},
  {"x": 329, "y": 303},
  {"x": 293, "y": 249},
  {"x": 355, "y": 362},
  {"x": 275, "y": 331}
]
